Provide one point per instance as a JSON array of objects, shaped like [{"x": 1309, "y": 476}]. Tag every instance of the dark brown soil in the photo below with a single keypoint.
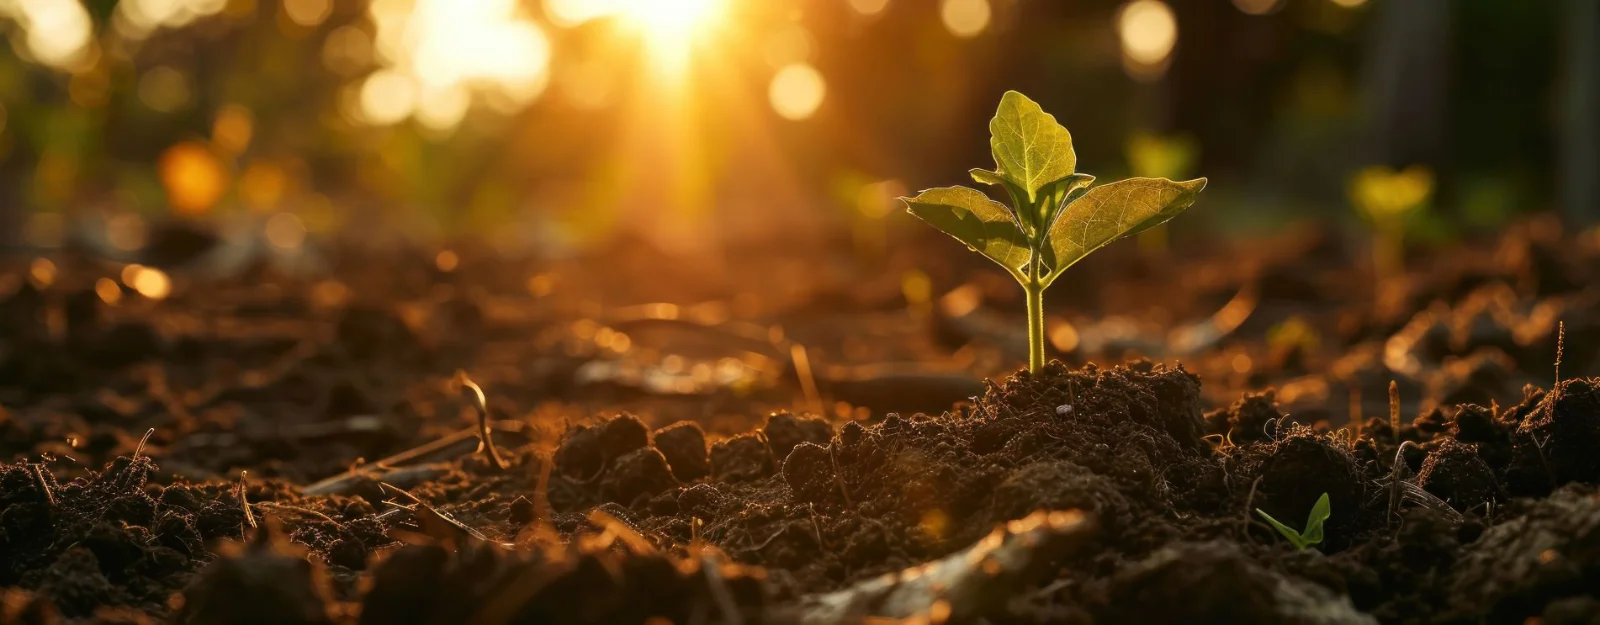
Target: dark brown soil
[{"x": 695, "y": 489}]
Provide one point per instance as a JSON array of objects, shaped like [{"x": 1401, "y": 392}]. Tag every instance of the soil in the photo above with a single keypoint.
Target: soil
[{"x": 771, "y": 456}]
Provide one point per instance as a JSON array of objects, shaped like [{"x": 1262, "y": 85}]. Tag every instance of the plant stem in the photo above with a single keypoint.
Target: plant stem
[{"x": 1035, "y": 293}]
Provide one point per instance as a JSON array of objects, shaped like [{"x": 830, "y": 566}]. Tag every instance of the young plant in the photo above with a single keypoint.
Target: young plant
[
  {"x": 1390, "y": 200},
  {"x": 1055, "y": 218},
  {"x": 1313, "y": 532}
]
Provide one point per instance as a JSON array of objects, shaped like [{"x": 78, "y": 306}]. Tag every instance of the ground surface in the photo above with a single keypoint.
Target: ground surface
[{"x": 772, "y": 440}]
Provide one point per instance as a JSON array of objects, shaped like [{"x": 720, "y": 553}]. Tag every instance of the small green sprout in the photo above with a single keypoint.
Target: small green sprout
[
  {"x": 1390, "y": 200},
  {"x": 1313, "y": 532},
  {"x": 1055, "y": 217}
]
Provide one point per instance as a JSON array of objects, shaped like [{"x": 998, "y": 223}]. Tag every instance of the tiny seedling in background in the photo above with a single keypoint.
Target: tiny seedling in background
[
  {"x": 1160, "y": 156},
  {"x": 1312, "y": 535},
  {"x": 1389, "y": 200},
  {"x": 1055, "y": 217}
]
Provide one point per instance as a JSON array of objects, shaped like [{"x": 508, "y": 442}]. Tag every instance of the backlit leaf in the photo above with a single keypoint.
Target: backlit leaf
[
  {"x": 1029, "y": 147},
  {"x": 1111, "y": 211},
  {"x": 1320, "y": 512},
  {"x": 972, "y": 218}
]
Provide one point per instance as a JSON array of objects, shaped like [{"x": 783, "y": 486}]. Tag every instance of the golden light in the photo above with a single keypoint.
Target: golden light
[
  {"x": 796, "y": 91},
  {"x": 446, "y": 261},
  {"x": 308, "y": 13},
  {"x": 126, "y": 231},
  {"x": 149, "y": 282},
  {"x": 1149, "y": 32},
  {"x": 59, "y": 33},
  {"x": 789, "y": 45},
  {"x": 193, "y": 176},
  {"x": 965, "y": 18},
  {"x": 137, "y": 19},
  {"x": 670, "y": 27},
  {"x": 347, "y": 50},
  {"x": 108, "y": 290},
  {"x": 232, "y": 130},
  {"x": 387, "y": 97},
  {"x": 262, "y": 185},
  {"x": 285, "y": 231},
  {"x": 1349, "y": 4},
  {"x": 1258, "y": 7},
  {"x": 42, "y": 272},
  {"x": 437, "y": 54},
  {"x": 869, "y": 7},
  {"x": 164, "y": 89}
]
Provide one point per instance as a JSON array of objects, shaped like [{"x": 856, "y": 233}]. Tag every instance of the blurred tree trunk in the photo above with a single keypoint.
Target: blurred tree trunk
[
  {"x": 1578, "y": 132},
  {"x": 1408, "y": 82}
]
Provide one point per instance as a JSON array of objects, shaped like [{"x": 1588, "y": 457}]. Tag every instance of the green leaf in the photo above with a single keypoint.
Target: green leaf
[
  {"x": 972, "y": 218},
  {"x": 1056, "y": 195},
  {"x": 1111, "y": 211},
  {"x": 1320, "y": 512},
  {"x": 1019, "y": 197},
  {"x": 1288, "y": 532},
  {"x": 1030, "y": 148}
]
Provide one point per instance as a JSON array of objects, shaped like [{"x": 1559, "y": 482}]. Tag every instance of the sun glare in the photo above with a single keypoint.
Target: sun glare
[{"x": 669, "y": 29}]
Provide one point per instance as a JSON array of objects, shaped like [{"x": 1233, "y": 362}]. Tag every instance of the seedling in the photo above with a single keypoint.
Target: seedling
[
  {"x": 1389, "y": 199},
  {"x": 1313, "y": 532},
  {"x": 1055, "y": 217}
]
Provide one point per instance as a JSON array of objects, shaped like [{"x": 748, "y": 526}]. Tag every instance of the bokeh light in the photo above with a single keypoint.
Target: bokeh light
[
  {"x": 147, "y": 281},
  {"x": 387, "y": 97},
  {"x": 439, "y": 53},
  {"x": 869, "y": 7},
  {"x": 59, "y": 32},
  {"x": 285, "y": 231},
  {"x": 1258, "y": 7},
  {"x": 965, "y": 18},
  {"x": 193, "y": 176},
  {"x": 137, "y": 19},
  {"x": 232, "y": 129},
  {"x": 1149, "y": 31},
  {"x": 796, "y": 91},
  {"x": 308, "y": 13},
  {"x": 108, "y": 290},
  {"x": 165, "y": 89}
]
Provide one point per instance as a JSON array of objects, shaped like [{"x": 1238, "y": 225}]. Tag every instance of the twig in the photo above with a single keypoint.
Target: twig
[
  {"x": 138, "y": 451},
  {"x": 436, "y": 524},
  {"x": 1249, "y": 502},
  {"x": 1561, "y": 344},
  {"x": 474, "y": 395},
  {"x": 1395, "y": 469},
  {"x": 1394, "y": 410},
  {"x": 1549, "y": 472},
  {"x": 808, "y": 380},
  {"x": 49, "y": 495},
  {"x": 249, "y": 517},
  {"x": 272, "y": 505}
]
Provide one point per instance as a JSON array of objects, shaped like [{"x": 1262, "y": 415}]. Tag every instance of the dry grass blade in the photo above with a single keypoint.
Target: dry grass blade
[
  {"x": 396, "y": 469},
  {"x": 473, "y": 393},
  {"x": 438, "y": 525},
  {"x": 249, "y": 517}
]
